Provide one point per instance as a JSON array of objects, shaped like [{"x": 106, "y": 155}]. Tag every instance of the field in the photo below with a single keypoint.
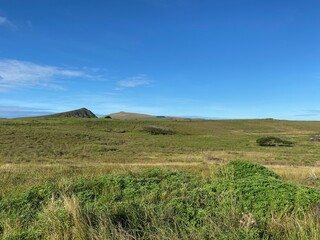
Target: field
[{"x": 111, "y": 179}]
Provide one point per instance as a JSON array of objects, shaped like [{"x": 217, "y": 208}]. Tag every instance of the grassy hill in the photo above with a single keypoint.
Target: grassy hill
[
  {"x": 76, "y": 170},
  {"x": 130, "y": 116},
  {"x": 141, "y": 116}
]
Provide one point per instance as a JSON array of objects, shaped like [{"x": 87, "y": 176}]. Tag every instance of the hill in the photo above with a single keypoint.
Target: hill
[
  {"x": 141, "y": 116},
  {"x": 78, "y": 113},
  {"x": 129, "y": 115}
]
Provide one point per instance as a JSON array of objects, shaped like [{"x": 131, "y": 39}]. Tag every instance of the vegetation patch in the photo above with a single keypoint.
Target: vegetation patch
[
  {"x": 273, "y": 141},
  {"x": 243, "y": 169},
  {"x": 241, "y": 203},
  {"x": 157, "y": 130}
]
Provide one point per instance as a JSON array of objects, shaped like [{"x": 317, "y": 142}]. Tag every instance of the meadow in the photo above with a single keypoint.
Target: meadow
[{"x": 70, "y": 178}]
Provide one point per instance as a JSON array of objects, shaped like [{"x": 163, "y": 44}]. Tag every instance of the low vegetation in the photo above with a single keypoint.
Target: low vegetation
[
  {"x": 156, "y": 130},
  {"x": 79, "y": 178},
  {"x": 78, "y": 140},
  {"x": 243, "y": 201},
  {"x": 273, "y": 141}
]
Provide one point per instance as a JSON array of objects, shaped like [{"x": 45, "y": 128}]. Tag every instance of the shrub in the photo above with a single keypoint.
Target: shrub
[
  {"x": 273, "y": 141},
  {"x": 156, "y": 130}
]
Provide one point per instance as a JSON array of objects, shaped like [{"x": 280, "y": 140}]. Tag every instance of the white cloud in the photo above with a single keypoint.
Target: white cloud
[
  {"x": 21, "y": 74},
  {"x": 134, "y": 81},
  {"x": 5, "y": 22}
]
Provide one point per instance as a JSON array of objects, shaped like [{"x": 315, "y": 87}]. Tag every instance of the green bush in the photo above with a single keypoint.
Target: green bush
[
  {"x": 273, "y": 141},
  {"x": 156, "y": 130}
]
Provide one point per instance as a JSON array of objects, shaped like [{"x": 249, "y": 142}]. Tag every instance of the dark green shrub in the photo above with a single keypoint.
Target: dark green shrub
[
  {"x": 273, "y": 141},
  {"x": 156, "y": 130}
]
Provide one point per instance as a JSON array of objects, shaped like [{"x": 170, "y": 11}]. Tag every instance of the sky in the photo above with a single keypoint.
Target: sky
[{"x": 202, "y": 58}]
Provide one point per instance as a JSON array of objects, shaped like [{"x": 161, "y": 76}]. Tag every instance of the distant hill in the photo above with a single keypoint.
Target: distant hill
[
  {"x": 79, "y": 113},
  {"x": 141, "y": 116},
  {"x": 129, "y": 115}
]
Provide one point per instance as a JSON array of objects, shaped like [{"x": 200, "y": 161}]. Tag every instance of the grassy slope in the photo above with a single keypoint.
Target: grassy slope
[{"x": 104, "y": 140}]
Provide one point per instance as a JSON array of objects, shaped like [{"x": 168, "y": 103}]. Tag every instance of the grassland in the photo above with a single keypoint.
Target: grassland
[{"x": 53, "y": 155}]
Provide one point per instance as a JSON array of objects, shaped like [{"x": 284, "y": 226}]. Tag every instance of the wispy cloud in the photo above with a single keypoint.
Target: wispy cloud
[
  {"x": 136, "y": 81},
  {"x": 17, "y": 111},
  {"x": 309, "y": 113},
  {"x": 5, "y": 22},
  {"x": 21, "y": 74}
]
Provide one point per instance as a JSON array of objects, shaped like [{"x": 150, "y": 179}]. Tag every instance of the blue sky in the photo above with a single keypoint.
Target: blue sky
[{"x": 218, "y": 59}]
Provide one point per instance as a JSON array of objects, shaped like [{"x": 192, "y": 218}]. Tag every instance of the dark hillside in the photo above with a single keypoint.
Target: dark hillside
[{"x": 79, "y": 113}]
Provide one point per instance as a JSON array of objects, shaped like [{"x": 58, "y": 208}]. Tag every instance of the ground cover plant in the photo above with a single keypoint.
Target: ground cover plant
[{"x": 240, "y": 202}]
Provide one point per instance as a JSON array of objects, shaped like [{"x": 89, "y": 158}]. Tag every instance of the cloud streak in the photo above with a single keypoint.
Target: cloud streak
[
  {"x": 17, "y": 111},
  {"x": 133, "y": 82},
  {"x": 22, "y": 74},
  {"x": 309, "y": 113},
  {"x": 5, "y": 22}
]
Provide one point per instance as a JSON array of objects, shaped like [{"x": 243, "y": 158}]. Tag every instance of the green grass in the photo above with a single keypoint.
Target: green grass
[
  {"x": 158, "y": 204},
  {"x": 96, "y": 179},
  {"x": 101, "y": 140}
]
